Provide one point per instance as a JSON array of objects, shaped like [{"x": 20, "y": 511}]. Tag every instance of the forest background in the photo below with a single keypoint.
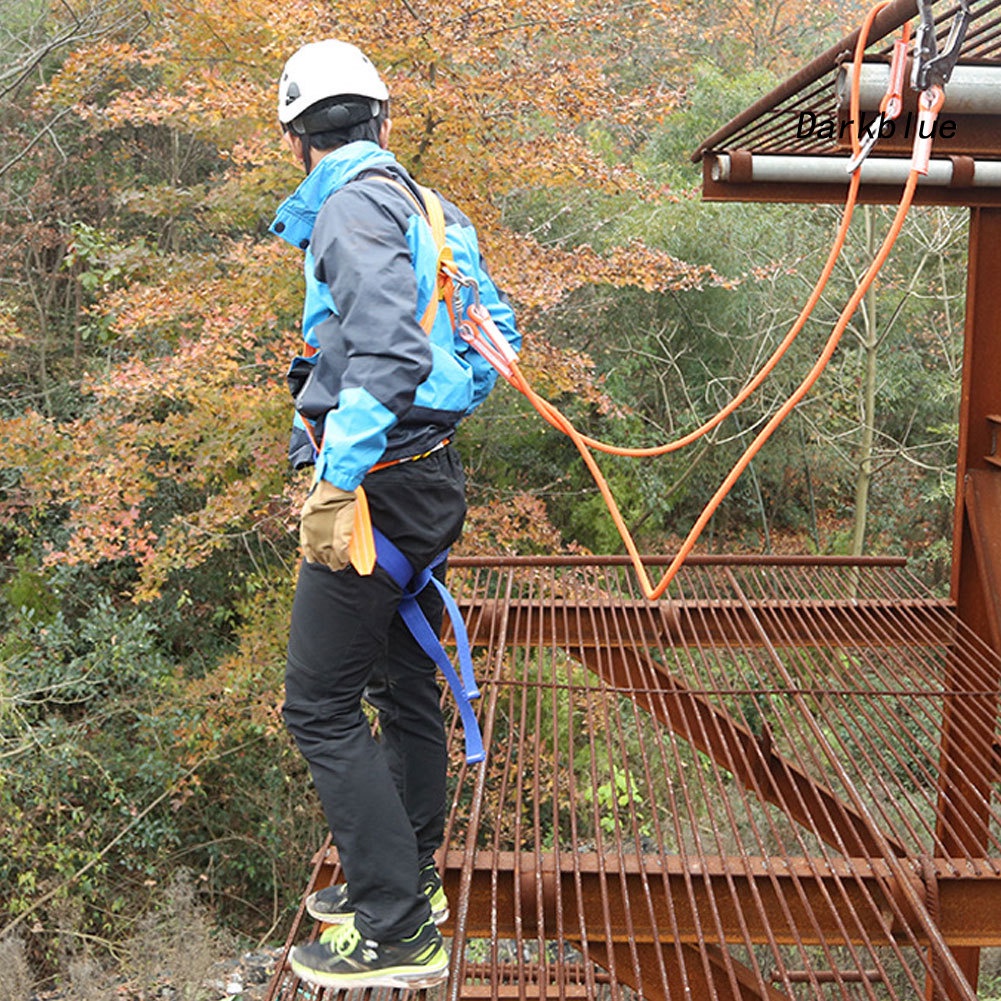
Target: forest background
[{"x": 147, "y": 515}]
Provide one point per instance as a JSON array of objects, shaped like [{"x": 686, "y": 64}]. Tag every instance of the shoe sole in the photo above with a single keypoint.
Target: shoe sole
[
  {"x": 405, "y": 978},
  {"x": 439, "y": 917}
]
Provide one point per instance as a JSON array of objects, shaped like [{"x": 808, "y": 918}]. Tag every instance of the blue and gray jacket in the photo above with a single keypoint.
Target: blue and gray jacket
[{"x": 374, "y": 384}]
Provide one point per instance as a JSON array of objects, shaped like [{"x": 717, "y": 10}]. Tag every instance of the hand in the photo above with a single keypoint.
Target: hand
[{"x": 325, "y": 529}]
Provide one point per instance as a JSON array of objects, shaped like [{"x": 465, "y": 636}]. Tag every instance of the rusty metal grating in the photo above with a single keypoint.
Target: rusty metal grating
[
  {"x": 770, "y": 124},
  {"x": 779, "y": 784}
]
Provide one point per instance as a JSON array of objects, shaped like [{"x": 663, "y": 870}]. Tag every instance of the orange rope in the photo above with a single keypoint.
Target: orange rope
[
  {"x": 556, "y": 419},
  {"x": 584, "y": 444}
]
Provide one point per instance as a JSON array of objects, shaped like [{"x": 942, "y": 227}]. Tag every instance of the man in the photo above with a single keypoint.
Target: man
[{"x": 377, "y": 403}]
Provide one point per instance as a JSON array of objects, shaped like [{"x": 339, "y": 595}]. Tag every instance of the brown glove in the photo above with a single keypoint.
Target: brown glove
[{"x": 327, "y": 520}]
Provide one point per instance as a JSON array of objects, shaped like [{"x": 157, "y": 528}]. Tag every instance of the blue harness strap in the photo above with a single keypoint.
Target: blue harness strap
[{"x": 411, "y": 583}]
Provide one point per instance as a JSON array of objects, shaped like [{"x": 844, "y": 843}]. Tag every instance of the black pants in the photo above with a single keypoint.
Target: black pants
[{"x": 384, "y": 801}]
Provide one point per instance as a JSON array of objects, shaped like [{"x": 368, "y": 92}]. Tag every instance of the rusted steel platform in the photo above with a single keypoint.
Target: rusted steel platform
[{"x": 781, "y": 783}]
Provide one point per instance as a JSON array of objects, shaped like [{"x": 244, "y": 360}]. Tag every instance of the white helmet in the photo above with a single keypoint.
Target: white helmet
[{"x": 322, "y": 70}]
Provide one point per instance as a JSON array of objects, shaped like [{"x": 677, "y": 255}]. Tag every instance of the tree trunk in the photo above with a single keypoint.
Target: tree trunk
[{"x": 867, "y": 415}]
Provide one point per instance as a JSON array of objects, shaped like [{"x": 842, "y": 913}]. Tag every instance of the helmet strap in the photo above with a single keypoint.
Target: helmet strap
[{"x": 336, "y": 117}]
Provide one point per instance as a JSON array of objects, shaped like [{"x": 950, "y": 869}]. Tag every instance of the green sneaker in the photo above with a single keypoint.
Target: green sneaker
[
  {"x": 342, "y": 959},
  {"x": 430, "y": 886},
  {"x": 331, "y": 904}
]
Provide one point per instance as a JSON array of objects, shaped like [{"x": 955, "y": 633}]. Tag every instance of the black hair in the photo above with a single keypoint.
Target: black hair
[{"x": 337, "y": 121}]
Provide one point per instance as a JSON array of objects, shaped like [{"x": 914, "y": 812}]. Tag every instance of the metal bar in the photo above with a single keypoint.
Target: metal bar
[
  {"x": 821, "y": 170},
  {"x": 749, "y": 758},
  {"x": 954, "y": 979},
  {"x": 798, "y": 733},
  {"x": 962, "y": 795},
  {"x": 320, "y": 876},
  {"x": 659, "y": 560},
  {"x": 810, "y": 193},
  {"x": 508, "y": 980},
  {"x": 969, "y": 907},
  {"x": 731, "y": 818},
  {"x": 681, "y": 969},
  {"x": 884, "y": 763},
  {"x": 983, "y": 509},
  {"x": 689, "y": 978},
  {"x": 846, "y": 622},
  {"x": 981, "y": 379},
  {"x": 973, "y": 90},
  {"x": 475, "y": 811},
  {"x": 666, "y": 815}
]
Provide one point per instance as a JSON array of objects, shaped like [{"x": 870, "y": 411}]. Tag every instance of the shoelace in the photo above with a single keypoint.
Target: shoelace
[{"x": 343, "y": 938}]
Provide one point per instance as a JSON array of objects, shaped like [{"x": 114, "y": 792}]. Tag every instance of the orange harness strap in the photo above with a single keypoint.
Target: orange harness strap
[
  {"x": 409, "y": 458},
  {"x": 433, "y": 214}
]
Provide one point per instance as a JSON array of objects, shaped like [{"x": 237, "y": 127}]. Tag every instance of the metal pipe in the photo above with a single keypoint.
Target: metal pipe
[
  {"x": 831, "y": 170},
  {"x": 696, "y": 559},
  {"x": 972, "y": 90}
]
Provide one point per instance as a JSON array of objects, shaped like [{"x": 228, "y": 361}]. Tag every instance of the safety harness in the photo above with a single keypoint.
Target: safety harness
[
  {"x": 412, "y": 583},
  {"x": 369, "y": 547}
]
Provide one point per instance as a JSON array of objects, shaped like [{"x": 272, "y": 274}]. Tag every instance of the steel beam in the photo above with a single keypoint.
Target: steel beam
[
  {"x": 844, "y": 624},
  {"x": 685, "y": 972},
  {"x": 965, "y": 793},
  {"x": 816, "y": 193},
  {"x": 785, "y": 901},
  {"x": 748, "y": 757}
]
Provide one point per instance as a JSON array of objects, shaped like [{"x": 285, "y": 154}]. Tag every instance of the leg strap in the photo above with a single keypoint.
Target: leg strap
[{"x": 464, "y": 689}]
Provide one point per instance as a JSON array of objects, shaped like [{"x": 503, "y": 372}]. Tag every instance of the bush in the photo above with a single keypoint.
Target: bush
[
  {"x": 83, "y": 742},
  {"x": 121, "y": 767}
]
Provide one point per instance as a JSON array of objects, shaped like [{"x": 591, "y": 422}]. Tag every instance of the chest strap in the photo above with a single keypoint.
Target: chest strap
[{"x": 411, "y": 583}]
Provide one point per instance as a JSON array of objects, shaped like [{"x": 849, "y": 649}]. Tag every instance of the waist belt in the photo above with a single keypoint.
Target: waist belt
[
  {"x": 412, "y": 583},
  {"x": 409, "y": 458}
]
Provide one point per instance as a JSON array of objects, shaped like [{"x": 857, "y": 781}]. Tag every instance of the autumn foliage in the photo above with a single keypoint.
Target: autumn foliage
[
  {"x": 146, "y": 321},
  {"x": 487, "y": 102}
]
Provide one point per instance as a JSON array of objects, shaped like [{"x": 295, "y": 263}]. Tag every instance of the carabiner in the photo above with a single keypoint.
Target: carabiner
[
  {"x": 931, "y": 67},
  {"x": 465, "y": 281},
  {"x": 480, "y": 332},
  {"x": 889, "y": 107}
]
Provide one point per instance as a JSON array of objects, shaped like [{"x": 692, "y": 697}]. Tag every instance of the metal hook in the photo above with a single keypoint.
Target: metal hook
[{"x": 931, "y": 67}]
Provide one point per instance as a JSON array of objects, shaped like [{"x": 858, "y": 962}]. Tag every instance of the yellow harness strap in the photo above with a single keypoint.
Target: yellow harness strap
[
  {"x": 361, "y": 549},
  {"x": 434, "y": 215}
]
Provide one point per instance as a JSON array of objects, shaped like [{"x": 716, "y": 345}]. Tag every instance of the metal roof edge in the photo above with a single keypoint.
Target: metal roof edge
[{"x": 886, "y": 21}]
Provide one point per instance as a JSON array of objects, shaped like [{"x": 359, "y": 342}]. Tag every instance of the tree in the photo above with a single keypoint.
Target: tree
[{"x": 179, "y": 455}]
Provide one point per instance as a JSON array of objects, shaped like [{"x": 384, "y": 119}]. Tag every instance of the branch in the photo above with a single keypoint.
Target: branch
[
  {"x": 75, "y": 35},
  {"x": 34, "y": 142}
]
